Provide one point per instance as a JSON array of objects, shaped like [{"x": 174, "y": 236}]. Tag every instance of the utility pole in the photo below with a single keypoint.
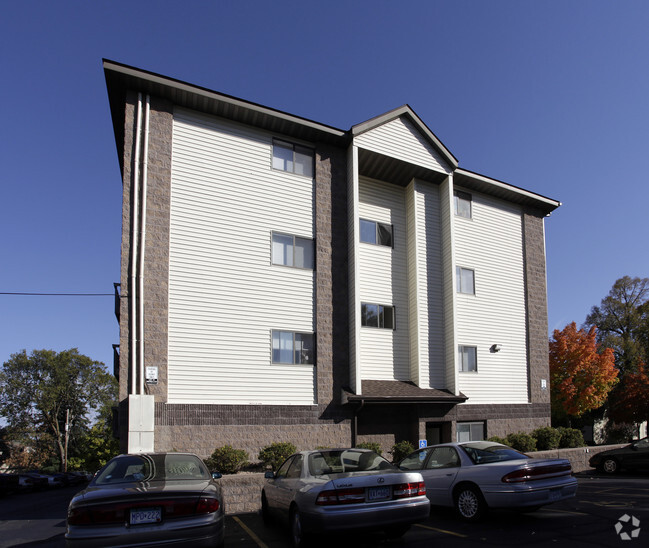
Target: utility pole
[{"x": 67, "y": 435}]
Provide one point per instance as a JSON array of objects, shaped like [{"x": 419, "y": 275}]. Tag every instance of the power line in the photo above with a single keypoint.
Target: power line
[{"x": 59, "y": 294}]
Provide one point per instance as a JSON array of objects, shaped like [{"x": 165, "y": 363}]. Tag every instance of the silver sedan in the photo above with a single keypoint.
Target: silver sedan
[
  {"x": 149, "y": 499},
  {"x": 475, "y": 476},
  {"x": 335, "y": 490}
]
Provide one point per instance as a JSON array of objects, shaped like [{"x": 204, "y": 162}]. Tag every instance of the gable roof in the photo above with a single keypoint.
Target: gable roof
[
  {"x": 407, "y": 112},
  {"x": 121, "y": 78}
]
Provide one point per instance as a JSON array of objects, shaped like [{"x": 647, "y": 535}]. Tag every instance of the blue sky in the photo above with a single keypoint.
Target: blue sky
[{"x": 550, "y": 96}]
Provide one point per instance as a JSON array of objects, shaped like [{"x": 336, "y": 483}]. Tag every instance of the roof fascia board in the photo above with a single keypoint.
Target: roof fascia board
[
  {"x": 406, "y": 110},
  {"x": 204, "y": 92},
  {"x": 511, "y": 188}
]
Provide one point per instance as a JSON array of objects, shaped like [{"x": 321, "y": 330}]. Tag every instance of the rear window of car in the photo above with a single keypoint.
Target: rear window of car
[
  {"x": 348, "y": 460},
  {"x": 169, "y": 467},
  {"x": 486, "y": 452}
]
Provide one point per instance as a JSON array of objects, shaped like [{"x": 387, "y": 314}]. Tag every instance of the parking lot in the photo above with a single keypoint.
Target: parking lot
[{"x": 592, "y": 518}]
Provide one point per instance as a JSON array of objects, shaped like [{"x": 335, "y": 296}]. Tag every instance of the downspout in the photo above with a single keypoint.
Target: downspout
[
  {"x": 143, "y": 242},
  {"x": 134, "y": 243},
  {"x": 356, "y": 412}
]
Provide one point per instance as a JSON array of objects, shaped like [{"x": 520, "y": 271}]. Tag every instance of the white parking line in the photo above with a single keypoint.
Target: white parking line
[
  {"x": 251, "y": 533},
  {"x": 441, "y": 530}
]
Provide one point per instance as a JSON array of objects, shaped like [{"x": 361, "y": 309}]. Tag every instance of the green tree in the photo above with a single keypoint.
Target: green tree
[
  {"x": 622, "y": 322},
  {"x": 45, "y": 391}
]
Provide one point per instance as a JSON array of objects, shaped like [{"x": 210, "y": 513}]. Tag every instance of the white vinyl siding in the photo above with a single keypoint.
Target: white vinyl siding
[
  {"x": 400, "y": 139},
  {"x": 353, "y": 245},
  {"x": 448, "y": 284},
  {"x": 491, "y": 244},
  {"x": 225, "y": 296},
  {"x": 426, "y": 289},
  {"x": 382, "y": 278}
]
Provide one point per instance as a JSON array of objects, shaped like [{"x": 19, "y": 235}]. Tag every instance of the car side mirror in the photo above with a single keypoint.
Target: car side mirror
[
  {"x": 217, "y": 475},
  {"x": 269, "y": 474}
]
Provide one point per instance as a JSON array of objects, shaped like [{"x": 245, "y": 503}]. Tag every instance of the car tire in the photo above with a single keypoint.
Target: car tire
[
  {"x": 469, "y": 503},
  {"x": 265, "y": 511},
  {"x": 396, "y": 531},
  {"x": 610, "y": 466},
  {"x": 299, "y": 539}
]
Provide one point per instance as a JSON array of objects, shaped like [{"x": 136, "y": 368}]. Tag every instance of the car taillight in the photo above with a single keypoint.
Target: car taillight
[
  {"x": 340, "y": 496},
  {"x": 406, "y": 490},
  {"x": 537, "y": 473},
  {"x": 119, "y": 512},
  {"x": 79, "y": 516},
  {"x": 207, "y": 505}
]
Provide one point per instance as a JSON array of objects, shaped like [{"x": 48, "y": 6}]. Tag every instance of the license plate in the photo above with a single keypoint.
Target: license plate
[
  {"x": 146, "y": 515},
  {"x": 378, "y": 493}
]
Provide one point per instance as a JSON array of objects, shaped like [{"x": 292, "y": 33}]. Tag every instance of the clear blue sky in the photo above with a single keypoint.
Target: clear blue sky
[{"x": 551, "y": 96}]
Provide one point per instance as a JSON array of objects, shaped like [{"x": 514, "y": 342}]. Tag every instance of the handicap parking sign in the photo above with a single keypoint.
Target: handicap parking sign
[{"x": 422, "y": 444}]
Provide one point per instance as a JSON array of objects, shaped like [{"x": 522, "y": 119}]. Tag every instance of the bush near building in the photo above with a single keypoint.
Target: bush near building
[
  {"x": 227, "y": 460},
  {"x": 275, "y": 454},
  {"x": 372, "y": 446},
  {"x": 401, "y": 450}
]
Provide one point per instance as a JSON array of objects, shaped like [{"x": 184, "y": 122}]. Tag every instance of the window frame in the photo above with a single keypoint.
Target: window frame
[
  {"x": 294, "y": 350},
  {"x": 459, "y": 195},
  {"x": 295, "y": 238},
  {"x": 286, "y": 145},
  {"x": 460, "y": 354},
  {"x": 380, "y": 316},
  {"x": 458, "y": 279},
  {"x": 377, "y": 234},
  {"x": 482, "y": 424}
]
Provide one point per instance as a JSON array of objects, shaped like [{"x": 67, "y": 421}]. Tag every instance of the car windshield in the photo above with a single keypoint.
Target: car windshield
[
  {"x": 337, "y": 461},
  {"x": 165, "y": 467},
  {"x": 484, "y": 452}
]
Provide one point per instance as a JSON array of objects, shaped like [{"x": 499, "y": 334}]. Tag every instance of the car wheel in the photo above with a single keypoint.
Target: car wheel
[
  {"x": 265, "y": 511},
  {"x": 397, "y": 531},
  {"x": 469, "y": 503},
  {"x": 610, "y": 466},
  {"x": 299, "y": 538}
]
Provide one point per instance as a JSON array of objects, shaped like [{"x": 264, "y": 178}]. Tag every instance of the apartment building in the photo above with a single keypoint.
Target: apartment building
[{"x": 285, "y": 280}]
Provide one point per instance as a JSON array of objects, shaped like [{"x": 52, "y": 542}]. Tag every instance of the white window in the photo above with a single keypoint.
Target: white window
[
  {"x": 465, "y": 280},
  {"x": 468, "y": 358},
  {"x": 377, "y": 315},
  {"x": 289, "y": 250},
  {"x": 376, "y": 233},
  {"x": 470, "y": 431},
  {"x": 462, "y": 204},
  {"x": 294, "y": 158},
  {"x": 294, "y": 348}
]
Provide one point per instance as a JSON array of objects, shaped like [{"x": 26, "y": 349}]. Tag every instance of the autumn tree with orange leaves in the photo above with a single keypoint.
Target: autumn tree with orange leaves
[{"x": 580, "y": 377}]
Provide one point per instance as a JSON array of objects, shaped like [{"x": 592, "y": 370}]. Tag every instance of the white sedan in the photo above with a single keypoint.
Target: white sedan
[
  {"x": 337, "y": 490},
  {"x": 474, "y": 476}
]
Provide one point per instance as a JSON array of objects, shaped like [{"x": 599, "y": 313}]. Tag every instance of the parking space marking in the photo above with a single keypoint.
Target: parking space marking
[
  {"x": 441, "y": 530},
  {"x": 553, "y": 510},
  {"x": 251, "y": 533}
]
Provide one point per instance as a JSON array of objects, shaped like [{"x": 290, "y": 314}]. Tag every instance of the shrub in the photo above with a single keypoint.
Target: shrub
[
  {"x": 619, "y": 433},
  {"x": 498, "y": 439},
  {"x": 401, "y": 450},
  {"x": 276, "y": 453},
  {"x": 521, "y": 442},
  {"x": 570, "y": 437},
  {"x": 227, "y": 460},
  {"x": 547, "y": 438},
  {"x": 373, "y": 446}
]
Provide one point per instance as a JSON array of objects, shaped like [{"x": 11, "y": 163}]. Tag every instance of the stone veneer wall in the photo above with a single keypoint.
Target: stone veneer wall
[
  {"x": 537, "y": 307},
  {"x": 201, "y": 428}
]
